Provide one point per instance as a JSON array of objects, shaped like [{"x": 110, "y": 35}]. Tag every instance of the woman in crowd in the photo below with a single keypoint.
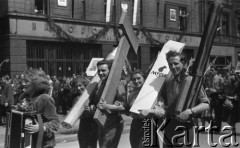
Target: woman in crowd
[
  {"x": 136, "y": 130},
  {"x": 38, "y": 87},
  {"x": 87, "y": 133}
]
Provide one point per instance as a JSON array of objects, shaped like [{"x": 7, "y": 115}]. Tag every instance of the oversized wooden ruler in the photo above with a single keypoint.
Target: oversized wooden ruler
[
  {"x": 150, "y": 89},
  {"x": 78, "y": 107},
  {"x": 110, "y": 90}
]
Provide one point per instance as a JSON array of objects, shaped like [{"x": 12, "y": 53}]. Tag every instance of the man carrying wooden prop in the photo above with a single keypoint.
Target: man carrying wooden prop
[
  {"x": 110, "y": 133},
  {"x": 182, "y": 95},
  {"x": 170, "y": 92},
  {"x": 109, "y": 125},
  {"x": 110, "y": 121}
]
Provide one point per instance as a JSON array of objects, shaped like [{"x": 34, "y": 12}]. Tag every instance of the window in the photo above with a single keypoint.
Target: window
[
  {"x": 110, "y": 10},
  {"x": 158, "y": 9},
  {"x": 182, "y": 18},
  {"x": 133, "y": 1},
  {"x": 189, "y": 53},
  {"x": 55, "y": 59},
  {"x": 84, "y": 9},
  {"x": 238, "y": 26},
  {"x": 41, "y": 6},
  {"x": 225, "y": 24},
  {"x": 114, "y": 12},
  {"x": 134, "y": 59},
  {"x": 73, "y": 9},
  {"x": 221, "y": 61},
  {"x": 105, "y": 8},
  {"x": 141, "y": 11},
  {"x": 176, "y": 17},
  {"x": 154, "y": 52},
  {"x": 227, "y": 2}
]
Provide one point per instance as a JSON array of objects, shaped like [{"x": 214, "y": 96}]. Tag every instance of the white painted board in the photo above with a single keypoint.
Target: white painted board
[
  {"x": 92, "y": 67},
  {"x": 78, "y": 107},
  {"x": 153, "y": 83}
]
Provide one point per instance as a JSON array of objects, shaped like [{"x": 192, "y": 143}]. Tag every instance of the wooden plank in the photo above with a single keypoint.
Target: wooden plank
[
  {"x": 154, "y": 82},
  {"x": 110, "y": 89},
  {"x": 78, "y": 107},
  {"x": 127, "y": 28},
  {"x": 114, "y": 76},
  {"x": 188, "y": 97}
]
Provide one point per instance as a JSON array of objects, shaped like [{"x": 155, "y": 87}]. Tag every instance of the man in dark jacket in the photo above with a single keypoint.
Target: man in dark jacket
[{"x": 6, "y": 99}]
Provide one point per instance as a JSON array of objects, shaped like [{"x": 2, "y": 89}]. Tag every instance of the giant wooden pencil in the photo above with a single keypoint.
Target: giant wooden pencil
[
  {"x": 188, "y": 97},
  {"x": 114, "y": 76},
  {"x": 78, "y": 107},
  {"x": 109, "y": 92}
]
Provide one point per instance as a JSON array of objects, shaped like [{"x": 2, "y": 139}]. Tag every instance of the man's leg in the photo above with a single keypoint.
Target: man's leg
[{"x": 217, "y": 107}]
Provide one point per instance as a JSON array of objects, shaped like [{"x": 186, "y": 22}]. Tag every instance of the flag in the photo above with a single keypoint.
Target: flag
[
  {"x": 209, "y": 65},
  {"x": 228, "y": 67},
  {"x": 237, "y": 68},
  {"x": 190, "y": 63},
  {"x": 127, "y": 68}
]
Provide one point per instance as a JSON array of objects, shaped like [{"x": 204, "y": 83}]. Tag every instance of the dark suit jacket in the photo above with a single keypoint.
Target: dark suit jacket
[{"x": 7, "y": 95}]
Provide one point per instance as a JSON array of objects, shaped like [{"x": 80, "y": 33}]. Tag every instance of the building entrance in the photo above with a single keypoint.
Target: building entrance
[{"x": 60, "y": 58}]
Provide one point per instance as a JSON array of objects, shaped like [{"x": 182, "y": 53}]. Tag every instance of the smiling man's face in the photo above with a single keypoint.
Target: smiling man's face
[
  {"x": 103, "y": 71},
  {"x": 175, "y": 65}
]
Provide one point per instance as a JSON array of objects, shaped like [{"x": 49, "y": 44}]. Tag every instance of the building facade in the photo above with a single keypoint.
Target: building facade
[{"x": 61, "y": 36}]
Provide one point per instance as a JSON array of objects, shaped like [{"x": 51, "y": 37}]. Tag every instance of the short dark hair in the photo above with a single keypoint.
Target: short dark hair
[
  {"x": 138, "y": 71},
  {"x": 173, "y": 53},
  {"x": 107, "y": 62}
]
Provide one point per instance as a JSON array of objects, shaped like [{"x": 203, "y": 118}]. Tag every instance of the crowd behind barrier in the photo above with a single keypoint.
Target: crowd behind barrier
[{"x": 221, "y": 88}]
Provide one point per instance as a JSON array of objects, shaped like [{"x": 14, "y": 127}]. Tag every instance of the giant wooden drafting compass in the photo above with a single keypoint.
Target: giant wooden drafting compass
[{"x": 128, "y": 39}]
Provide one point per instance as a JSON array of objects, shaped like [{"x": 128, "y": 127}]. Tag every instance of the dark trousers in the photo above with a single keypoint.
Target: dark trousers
[
  {"x": 110, "y": 134},
  {"x": 87, "y": 133},
  {"x": 231, "y": 115},
  {"x": 3, "y": 114},
  {"x": 63, "y": 102},
  {"x": 217, "y": 107},
  {"x": 3, "y": 110},
  {"x": 136, "y": 133}
]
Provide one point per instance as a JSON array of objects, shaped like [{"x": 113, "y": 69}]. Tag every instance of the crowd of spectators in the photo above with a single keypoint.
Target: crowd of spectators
[
  {"x": 62, "y": 90},
  {"x": 222, "y": 89}
]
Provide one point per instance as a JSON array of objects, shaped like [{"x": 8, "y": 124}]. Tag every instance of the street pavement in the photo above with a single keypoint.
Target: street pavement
[
  {"x": 124, "y": 142},
  {"x": 68, "y": 137}
]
